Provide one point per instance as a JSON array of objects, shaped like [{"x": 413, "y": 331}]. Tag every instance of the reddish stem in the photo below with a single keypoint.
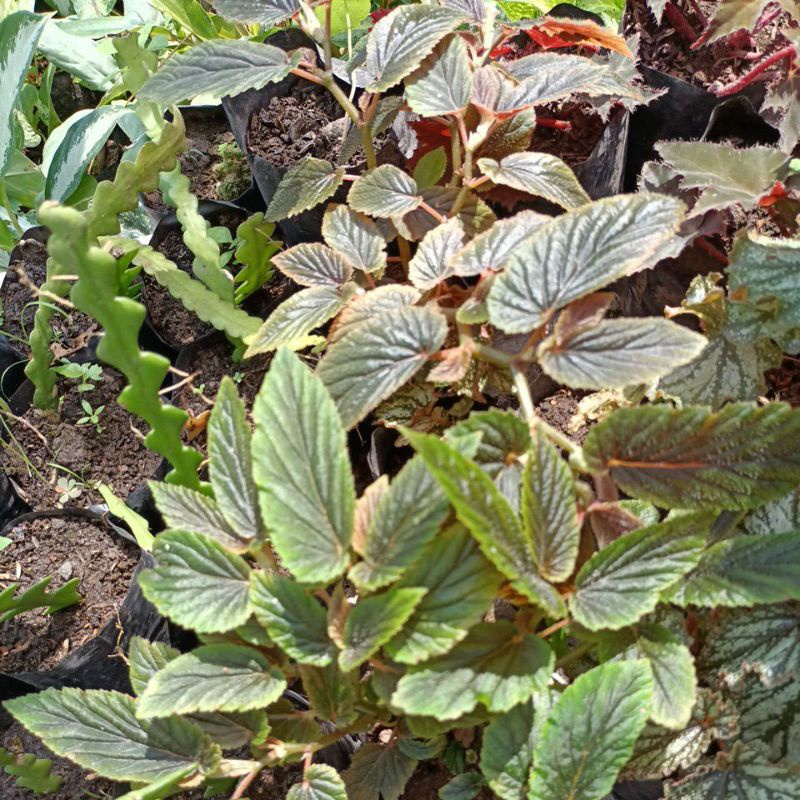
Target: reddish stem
[
  {"x": 699, "y": 13},
  {"x": 679, "y": 22},
  {"x": 558, "y": 124},
  {"x": 713, "y": 251},
  {"x": 750, "y": 77},
  {"x": 767, "y": 18}
]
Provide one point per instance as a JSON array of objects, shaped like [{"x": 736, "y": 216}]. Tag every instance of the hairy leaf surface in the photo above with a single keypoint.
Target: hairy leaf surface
[
  {"x": 231, "y": 465},
  {"x": 355, "y": 235},
  {"x": 216, "y": 677},
  {"x": 192, "y": 565},
  {"x": 590, "y": 732},
  {"x": 480, "y": 506},
  {"x": 374, "y": 621},
  {"x": 744, "y": 571},
  {"x": 384, "y": 192},
  {"x": 99, "y": 731},
  {"x": 578, "y": 253},
  {"x": 619, "y": 352},
  {"x": 694, "y": 458},
  {"x": 461, "y": 585},
  {"x": 219, "y": 67},
  {"x": 378, "y": 357},
  {"x": 539, "y": 174},
  {"x": 623, "y": 581},
  {"x": 305, "y": 185},
  {"x": 303, "y": 472},
  {"x": 494, "y": 666},
  {"x": 294, "y": 619},
  {"x": 401, "y": 40}
]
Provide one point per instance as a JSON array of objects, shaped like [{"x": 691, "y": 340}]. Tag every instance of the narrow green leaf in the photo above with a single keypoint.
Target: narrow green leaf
[
  {"x": 304, "y": 186},
  {"x": 384, "y": 192},
  {"x": 578, "y": 253},
  {"x": 591, "y": 732},
  {"x": 744, "y": 571},
  {"x": 195, "y": 297},
  {"x": 99, "y": 731},
  {"x": 294, "y": 620},
  {"x": 221, "y": 67},
  {"x": 378, "y": 357},
  {"x": 400, "y": 41},
  {"x": 215, "y": 677},
  {"x": 494, "y": 666},
  {"x": 19, "y": 33},
  {"x": 190, "y": 14},
  {"x": 230, "y": 465},
  {"x": 83, "y": 141},
  {"x": 461, "y": 585},
  {"x": 549, "y": 510},
  {"x": 320, "y": 782},
  {"x": 374, "y": 621},
  {"x": 191, "y": 565},
  {"x": 737, "y": 458},
  {"x": 623, "y": 581},
  {"x": 488, "y": 516},
  {"x": 303, "y": 472},
  {"x": 430, "y": 168}
]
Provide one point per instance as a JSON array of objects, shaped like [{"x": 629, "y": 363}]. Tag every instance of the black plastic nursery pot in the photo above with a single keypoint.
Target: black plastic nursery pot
[
  {"x": 173, "y": 325},
  {"x": 97, "y": 663},
  {"x": 689, "y": 113},
  {"x": 207, "y": 127}
]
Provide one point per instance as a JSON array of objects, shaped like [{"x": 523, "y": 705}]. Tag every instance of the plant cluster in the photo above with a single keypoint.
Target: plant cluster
[{"x": 545, "y": 616}]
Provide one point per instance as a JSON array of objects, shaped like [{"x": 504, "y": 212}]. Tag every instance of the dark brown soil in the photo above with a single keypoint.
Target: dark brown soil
[
  {"x": 307, "y": 123},
  {"x": 70, "y": 328},
  {"x": 299, "y": 125},
  {"x": 575, "y": 145},
  {"x": 212, "y": 363},
  {"x": 114, "y": 455},
  {"x": 429, "y": 777},
  {"x": 558, "y": 410},
  {"x": 709, "y": 66},
  {"x": 63, "y": 548},
  {"x": 176, "y": 325},
  {"x": 205, "y": 132},
  {"x": 76, "y": 784}
]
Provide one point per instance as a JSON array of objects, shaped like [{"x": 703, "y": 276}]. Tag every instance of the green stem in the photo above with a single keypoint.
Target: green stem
[
  {"x": 455, "y": 152},
  {"x": 535, "y": 421}
]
